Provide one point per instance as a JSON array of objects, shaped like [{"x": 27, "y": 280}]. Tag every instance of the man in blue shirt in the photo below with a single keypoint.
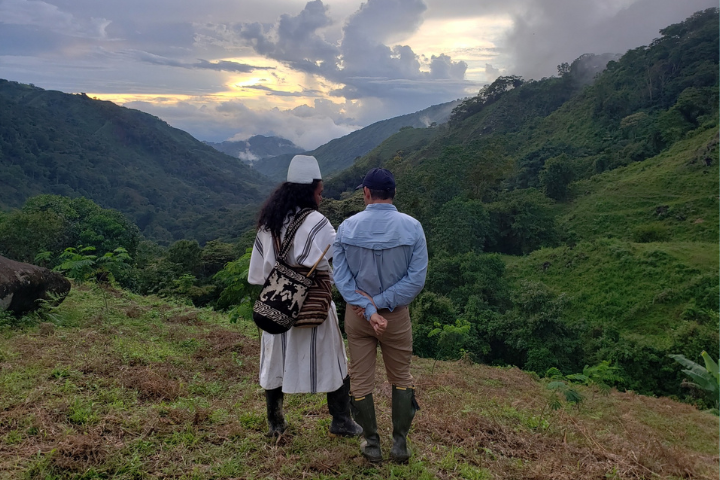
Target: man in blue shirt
[{"x": 380, "y": 262}]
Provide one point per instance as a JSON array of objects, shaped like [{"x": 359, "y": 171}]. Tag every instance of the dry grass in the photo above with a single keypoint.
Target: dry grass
[{"x": 150, "y": 389}]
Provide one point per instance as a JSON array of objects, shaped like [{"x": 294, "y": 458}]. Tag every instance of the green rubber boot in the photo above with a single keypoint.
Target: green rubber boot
[
  {"x": 339, "y": 407},
  {"x": 363, "y": 409},
  {"x": 275, "y": 417},
  {"x": 404, "y": 407}
]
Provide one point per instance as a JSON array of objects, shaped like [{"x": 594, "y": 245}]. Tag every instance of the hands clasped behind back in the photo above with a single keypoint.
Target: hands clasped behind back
[{"x": 377, "y": 321}]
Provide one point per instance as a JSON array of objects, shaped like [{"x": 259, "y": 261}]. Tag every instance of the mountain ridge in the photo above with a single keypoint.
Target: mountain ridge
[
  {"x": 70, "y": 144},
  {"x": 340, "y": 153}
]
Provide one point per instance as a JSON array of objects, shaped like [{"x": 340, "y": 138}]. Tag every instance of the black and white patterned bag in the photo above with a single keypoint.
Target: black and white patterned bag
[{"x": 285, "y": 290}]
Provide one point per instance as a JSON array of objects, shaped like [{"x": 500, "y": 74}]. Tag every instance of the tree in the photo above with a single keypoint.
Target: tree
[
  {"x": 215, "y": 255},
  {"x": 53, "y": 223},
  {"x": 464, "y": 277},
  {"x": 237, "y": 294},
  {"x": 563, "y": 69},
  {"x": 430, "y": 311},
  {"x": 523, "y": 221},
  {"x": 461, "y": 226},
  {"x": 533, "y": 335},
  {"x": 555, "y": 177},
  {"x": 452, "y": 340},
  {"x": 186, "y": 254},
  {"x": 705, "y": 378},
  {"x": 79, "y": 263}
]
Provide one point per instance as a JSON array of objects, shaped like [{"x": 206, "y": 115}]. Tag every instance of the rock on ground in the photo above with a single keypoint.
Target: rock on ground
[{"x": 21, "y": 284}]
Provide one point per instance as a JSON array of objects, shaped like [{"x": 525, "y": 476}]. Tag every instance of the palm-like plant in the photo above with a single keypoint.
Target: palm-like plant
[{"x": 702, "y": 377}]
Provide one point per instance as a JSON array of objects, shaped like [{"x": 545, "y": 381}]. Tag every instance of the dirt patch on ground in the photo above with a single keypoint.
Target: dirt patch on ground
[
  {"x": 190, "y": 318},
  {"x": 218, "y": 342},
  {"x": 569, "y": 450},
  {"x": 103, "y": 362},
  {"x": 135, "y": 311},
  {"x": 326, "y": 462},
  {"x": 156, "y": 383},
  {"x": 227, "y": 354},
  {"x": 78, "y": 452}
]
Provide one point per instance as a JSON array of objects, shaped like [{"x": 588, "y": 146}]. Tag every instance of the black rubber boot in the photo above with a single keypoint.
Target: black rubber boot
[
  {"x": 404, "y": 407},
  {"x": 276, "y": 419},
  {"x": 363, "y": 409},
  {"x": 339, "y": 406}
]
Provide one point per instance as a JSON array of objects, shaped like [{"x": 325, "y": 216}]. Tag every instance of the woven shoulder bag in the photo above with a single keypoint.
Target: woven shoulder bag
[
  {"x": 285, "y": 290},
  {"x": 317, "y": 304}
]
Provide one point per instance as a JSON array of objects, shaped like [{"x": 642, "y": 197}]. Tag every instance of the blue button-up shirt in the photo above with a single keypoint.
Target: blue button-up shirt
[{"x": 383, "y": 253}]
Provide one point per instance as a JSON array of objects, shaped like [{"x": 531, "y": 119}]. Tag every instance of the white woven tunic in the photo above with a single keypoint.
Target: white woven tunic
[{"x": 302, "y": 360}]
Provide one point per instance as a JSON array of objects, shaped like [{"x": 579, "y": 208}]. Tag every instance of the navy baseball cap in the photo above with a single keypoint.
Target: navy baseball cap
[{"x": 378, "y": 179}]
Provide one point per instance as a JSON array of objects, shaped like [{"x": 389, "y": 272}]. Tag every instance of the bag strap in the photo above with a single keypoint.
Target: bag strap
[{"x": 291, "y": 231}]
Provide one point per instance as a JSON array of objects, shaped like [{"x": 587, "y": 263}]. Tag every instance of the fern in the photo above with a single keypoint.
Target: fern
[
  {"x": 77, "y": 264},
  {"x": 561, "y": 384}
]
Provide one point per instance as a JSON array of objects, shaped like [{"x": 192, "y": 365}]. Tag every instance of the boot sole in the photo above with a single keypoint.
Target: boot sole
[{"x": 373, "y": 460}]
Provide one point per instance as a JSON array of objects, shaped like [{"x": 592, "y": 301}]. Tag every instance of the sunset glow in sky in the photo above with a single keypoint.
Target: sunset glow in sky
[{"x": 307, "y": 71}]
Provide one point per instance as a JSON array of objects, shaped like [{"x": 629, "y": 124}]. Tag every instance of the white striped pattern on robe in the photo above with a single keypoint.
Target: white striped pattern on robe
[{"x": 302, "y": 360}]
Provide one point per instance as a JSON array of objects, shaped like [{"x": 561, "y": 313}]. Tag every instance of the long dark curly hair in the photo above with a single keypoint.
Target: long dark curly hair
[{"x": 285, "y": 199}]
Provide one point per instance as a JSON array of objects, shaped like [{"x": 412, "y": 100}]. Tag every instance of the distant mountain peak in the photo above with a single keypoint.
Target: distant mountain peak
[
  {"x": 257, "y": 148},
  {"x": 340, "y": 153}
]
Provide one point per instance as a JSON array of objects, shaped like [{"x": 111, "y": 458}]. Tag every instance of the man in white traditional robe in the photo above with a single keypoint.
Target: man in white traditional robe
[{"x": 302, "y": 360}]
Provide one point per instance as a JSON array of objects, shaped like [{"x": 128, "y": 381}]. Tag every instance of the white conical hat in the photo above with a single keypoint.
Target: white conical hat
[{"x": 303, "y": 169}]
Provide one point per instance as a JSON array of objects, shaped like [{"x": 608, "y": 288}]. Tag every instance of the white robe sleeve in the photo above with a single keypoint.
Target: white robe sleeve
[{"x": 262, "y": 258}]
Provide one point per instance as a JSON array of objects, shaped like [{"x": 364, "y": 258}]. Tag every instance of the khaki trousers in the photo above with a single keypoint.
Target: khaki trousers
[{"x": 395, "y": 343}]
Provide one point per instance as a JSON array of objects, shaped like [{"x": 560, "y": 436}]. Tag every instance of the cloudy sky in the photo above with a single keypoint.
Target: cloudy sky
[{"x": 307, "y": 71}]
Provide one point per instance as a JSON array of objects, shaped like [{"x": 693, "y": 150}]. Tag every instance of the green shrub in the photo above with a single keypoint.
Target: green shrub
[
  {"x": 651, "y": 232},
  {"x": 523, "y": 221},
  {"x": 429, "y": 312}
]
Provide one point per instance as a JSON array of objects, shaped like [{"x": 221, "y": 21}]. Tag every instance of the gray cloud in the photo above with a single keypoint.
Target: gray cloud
[
  {"x": 442, "y": 66},
  {"x": 30, "y": 40},
  {"x": 363, "y": 63},
  {"x": 550, "y": 32},
  {"x": 234, "y": 120},
  {"x": 280, "y": 93},
  {"x": 45, "y": 15},
  {"x": 221, "y": 66},
  {"x": 293, "y": 40}
]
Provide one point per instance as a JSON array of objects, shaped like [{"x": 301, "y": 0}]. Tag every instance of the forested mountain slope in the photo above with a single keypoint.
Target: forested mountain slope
[
  {"x": 341, "y": 153},
  {"x": 571, "y": 224},
  {"x": 171, "y": 185}
]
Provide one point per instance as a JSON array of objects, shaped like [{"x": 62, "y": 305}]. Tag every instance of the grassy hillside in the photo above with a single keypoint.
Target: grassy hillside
[
  {"x": 122, "y": 386},
  {"x": 646, "y": 289},
  {"x": 646, "y": 268},
  {"x": 168, "y": 183},
  {"x": 670, "y": 196}
]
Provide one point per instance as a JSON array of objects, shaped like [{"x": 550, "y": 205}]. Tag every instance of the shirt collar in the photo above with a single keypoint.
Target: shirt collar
[{"x": 381, "y": 206}]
